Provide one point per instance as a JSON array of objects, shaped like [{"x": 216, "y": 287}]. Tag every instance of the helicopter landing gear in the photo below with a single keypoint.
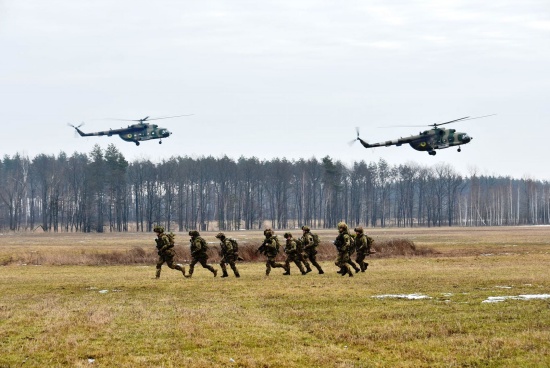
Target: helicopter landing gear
[
  {"x": 459, "y": 150},
  {"x": 137, "y": 143},
  {"x": 432, "y": 153},
  {"x": 160, "y": 142}
]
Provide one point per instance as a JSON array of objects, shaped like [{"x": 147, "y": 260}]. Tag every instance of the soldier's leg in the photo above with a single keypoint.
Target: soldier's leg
[
  {"x": 287, "y": 266},
  {"x": 223, "y": 267},
  {"x": 352, "y": 264},
  {"x": 208, "y": 267},
  {"x": 159, "y": 266},
  {"x": 175, "y": 266},
  {"x": 313, "y": 259},
  {"x": 267, "y": 267},
  {"x": 360, "y": 261},
  {"x": 234, "y": 268},
  {"x": 298, "y": 263},
  {"x": 303, "y": 259},
  {"x": 192, "y": 267}
]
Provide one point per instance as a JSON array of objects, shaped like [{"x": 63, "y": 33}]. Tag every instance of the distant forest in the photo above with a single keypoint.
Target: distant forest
[{"x": 103, "y": 192}]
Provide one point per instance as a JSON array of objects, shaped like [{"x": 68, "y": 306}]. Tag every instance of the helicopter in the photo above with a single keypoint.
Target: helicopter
[
  {"x": 429, "y": 140},
  {"x": 142, "y": 131}
]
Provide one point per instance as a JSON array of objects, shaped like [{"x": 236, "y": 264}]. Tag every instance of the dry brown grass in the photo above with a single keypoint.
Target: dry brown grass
[
  {"x": 138, "y": 248},
  {"x": 59, "y": 316}
]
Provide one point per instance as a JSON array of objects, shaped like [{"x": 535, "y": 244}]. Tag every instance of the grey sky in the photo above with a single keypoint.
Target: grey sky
[{"x": 280, "y": 78}]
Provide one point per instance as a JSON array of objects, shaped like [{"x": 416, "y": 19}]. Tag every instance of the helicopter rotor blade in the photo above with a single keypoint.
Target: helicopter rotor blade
[
  {"x": 350, "y": 143},
  {"x": 147, "y": 118}
]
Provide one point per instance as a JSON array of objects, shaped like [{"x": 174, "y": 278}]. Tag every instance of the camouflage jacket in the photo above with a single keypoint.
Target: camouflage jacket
[
  {"x": 290, "y": 247},
  {"x": 271, "y": 246},
  {"x": 226, "y": 247},
  {"x": 343, "y": 242},
  {"x": 307, "y": 241},
  {"x": 198, "y": 247},
  {"x": 361, "y": 243},
  {"x": 163, "y": 243}
]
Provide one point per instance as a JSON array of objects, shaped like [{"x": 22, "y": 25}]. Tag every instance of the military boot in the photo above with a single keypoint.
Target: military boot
[
  {"x": 237, "y": 274},
  {"x": 224, "y": 273},
  {"x": 308, "y": 269},
  {"x": 190, "y": 272},
  {"x": 157, "y": 276},
  {"x": 215, "y": 272}
]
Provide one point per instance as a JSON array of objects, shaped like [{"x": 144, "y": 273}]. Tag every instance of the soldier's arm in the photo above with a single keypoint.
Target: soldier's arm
[{"x": 165, "y": 243}]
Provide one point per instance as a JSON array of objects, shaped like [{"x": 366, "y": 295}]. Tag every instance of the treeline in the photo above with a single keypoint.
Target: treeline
[{"x": 102, "y": 191}]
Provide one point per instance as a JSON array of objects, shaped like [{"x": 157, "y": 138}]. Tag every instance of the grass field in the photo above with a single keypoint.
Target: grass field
[{"x": 61, "y": 305}]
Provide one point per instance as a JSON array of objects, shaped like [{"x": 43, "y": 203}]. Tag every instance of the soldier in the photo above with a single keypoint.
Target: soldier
[
  {"x": 310, "y": 248},
  {"x": 363, "y": 248},
  {"x": 292, "y": 254},
  {"x": 198, "y": 253},
  {"x": 165, "y": 247},
  {"x": 228, "y": 255},
  {"x": 352, "y": 249},
  {"x": 343, "y": 243},
  {"x": 270, "y": 248}
]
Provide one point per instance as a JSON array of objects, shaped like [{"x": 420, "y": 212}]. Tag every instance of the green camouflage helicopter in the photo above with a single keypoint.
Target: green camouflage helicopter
[
  {"x": 142, "y": 131},
  {"x": 429, "y": 140}
]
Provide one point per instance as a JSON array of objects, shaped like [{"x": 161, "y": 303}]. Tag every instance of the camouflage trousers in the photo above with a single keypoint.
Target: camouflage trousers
[
  {"x": 272, "y": 264},
  {"x": 312, "y": 256},
  {"x": 202, "y": 261},
  {"x": 361, "y": 260},
  {"x": 168, "y": 258},
  {"x": 229, "y": 259},
  {"x": 342, "y": 262},
  {"x": 302, "y": 257},
  {"x": 296, "y": 259}
]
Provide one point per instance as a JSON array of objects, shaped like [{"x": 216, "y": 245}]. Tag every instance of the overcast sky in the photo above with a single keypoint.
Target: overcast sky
[{"x": 281, "y": 78}]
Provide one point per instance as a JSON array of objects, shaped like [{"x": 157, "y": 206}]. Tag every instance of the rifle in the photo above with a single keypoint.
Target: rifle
[{"x": 262, "y": 247}]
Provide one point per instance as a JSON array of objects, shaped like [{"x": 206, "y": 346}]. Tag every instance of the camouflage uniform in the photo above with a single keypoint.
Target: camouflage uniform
[
  {"x": 292, "y": 254},
  {"x": 270, "y": 249},
  {"x": 342, "y": 243},
  {"x": 352, "y": 250},
  {"x": 310, "y": 248},
  {"x": 228, "y": 255},
  {"x": 166, "y": 252},
  {"x": 363, "y": 248},
  {"x": 198, "y": 253}
]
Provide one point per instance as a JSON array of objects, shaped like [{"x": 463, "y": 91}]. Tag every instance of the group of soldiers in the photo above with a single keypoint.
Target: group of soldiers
[{"x": 302, "y": 251}]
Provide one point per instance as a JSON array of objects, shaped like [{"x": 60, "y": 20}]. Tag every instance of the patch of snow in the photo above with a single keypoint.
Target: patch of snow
[
  {"x": 498, "y": 299},
  {"x": 503, "y": 287},
  {"x": 103, "y": 291},
  {"x": 403, "y": 296}
]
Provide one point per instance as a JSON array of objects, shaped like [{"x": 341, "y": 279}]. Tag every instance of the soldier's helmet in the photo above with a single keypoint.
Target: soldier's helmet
[
  {"x": 287, "y": 235},
  {"x": 342, "y": 225},
  {"x": 358, "y": 229},
  {"x": 268, "y": 232},
  {"x": 194, "y": 233},
  {"x": 158, "y": 229},
  {"x": 220, "y": 236},
  {"x": 306, "y": 228}
]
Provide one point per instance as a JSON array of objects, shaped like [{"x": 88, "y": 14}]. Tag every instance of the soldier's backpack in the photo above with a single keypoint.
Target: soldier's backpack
[
  {"x": 370, "y": 242},
  {"x": 235, "y": 245},
  {"x": 204, "y": 246},
  {"x": 316, "y": 240},
  {"x": 171, "y": 238}
]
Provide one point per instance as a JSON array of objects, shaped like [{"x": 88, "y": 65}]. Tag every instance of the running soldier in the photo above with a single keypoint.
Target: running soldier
[
  {"x": 362, "y": 246},
  {"x": 292, "y": 255},
  {"x": 270, "y": 249},
  {"x": 228, "y": 255},
  {"x": 343, "y": 243},
  {"x": 165, "y": 248},
  {"x": 198, "y": 253},
  {"x": 310, "y": 248}
]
